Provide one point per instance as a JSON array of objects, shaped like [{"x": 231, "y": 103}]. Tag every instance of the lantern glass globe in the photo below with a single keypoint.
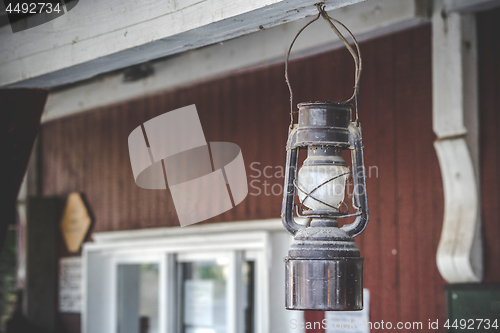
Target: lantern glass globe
[{"x": 332, "y": 192}]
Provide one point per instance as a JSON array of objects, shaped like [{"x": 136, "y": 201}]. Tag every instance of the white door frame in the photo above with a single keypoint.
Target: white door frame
[{"x": 264, "y": 241}]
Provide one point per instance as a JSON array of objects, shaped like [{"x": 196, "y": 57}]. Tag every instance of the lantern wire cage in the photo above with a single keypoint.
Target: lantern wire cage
[{"x": 301, "y": 212}]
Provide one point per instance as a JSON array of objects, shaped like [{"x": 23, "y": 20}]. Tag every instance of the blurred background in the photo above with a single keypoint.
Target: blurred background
[{"x": 84, "y": 249}]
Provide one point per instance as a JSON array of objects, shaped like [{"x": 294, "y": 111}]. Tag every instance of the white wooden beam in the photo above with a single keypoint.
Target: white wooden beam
[
  {"x": 102, "y": 36},
  {"x": 366, "y": 20},
  {"x": 455, "y": 99},
  {"x": 469, "y": 5}
]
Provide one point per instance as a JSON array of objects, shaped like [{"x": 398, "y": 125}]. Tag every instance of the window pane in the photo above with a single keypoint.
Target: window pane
[
  {"x": 203, "y": 296},
  {"x": 249, "y": 294},
  {"x": 138, "y": 288}
]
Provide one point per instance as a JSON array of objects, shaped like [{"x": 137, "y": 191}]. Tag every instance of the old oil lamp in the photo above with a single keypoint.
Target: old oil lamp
[{"x": 324, "y": 270}]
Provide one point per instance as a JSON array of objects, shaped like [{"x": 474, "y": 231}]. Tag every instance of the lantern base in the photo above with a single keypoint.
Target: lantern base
[{"x": 324, "y": 285}]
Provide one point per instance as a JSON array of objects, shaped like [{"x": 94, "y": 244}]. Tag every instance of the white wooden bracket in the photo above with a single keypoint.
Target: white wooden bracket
[{"x": 455, "y": 122}]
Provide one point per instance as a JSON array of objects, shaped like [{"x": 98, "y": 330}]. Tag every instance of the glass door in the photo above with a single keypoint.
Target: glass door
[
  {"x": 203, "y": 295},
  {"x": 138, "y": 298},
  {"x": 191, "y": 292},
  {"x": 209, "y": 287}
]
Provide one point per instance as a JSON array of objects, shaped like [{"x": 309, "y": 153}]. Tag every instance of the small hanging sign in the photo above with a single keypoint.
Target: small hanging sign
[
  {"x": 75, "y": 222},
  {"x": 70, "y": 284}
]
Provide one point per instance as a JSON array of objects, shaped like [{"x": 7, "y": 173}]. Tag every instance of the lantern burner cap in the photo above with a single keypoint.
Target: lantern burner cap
[
  {"x": 327, "y": 103},
  {"x": 323, "y": 124}
]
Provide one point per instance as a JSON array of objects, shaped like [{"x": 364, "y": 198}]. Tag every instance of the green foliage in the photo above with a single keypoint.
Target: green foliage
[{"x": 8, "y": 263}]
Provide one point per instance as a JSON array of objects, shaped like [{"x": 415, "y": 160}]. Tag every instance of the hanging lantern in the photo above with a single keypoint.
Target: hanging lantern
[{"x": 324, "y": 270}]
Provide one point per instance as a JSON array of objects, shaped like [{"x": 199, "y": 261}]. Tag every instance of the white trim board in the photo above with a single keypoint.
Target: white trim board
[
  {"x": 224, "y": 241},
  {"x": 469, "y": 5},
  {"x": 199, "y": 229},
  {"x": 366, "y": 20}
]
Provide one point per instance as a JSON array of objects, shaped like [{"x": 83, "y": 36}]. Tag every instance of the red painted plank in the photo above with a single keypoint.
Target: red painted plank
[
  {"x": 388, "y": 223},
  {"x": 313, "y": 321},
  {"x": 489, "y": 91},
  {"x": 407, "y": 119},
  {"x": 368, "y": 241},
  {"x": 425, "y": 157}
]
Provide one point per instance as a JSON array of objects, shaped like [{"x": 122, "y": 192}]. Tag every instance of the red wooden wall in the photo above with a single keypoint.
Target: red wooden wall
[
  {"x": 489, "y": 94},
  {"x": 89, "y": 153}
]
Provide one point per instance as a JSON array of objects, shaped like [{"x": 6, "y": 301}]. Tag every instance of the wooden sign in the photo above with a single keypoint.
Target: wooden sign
[{"x": 75, "y": 222}]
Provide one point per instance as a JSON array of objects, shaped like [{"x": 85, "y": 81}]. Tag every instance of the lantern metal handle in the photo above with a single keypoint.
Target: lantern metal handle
[
  {"x": 355, "y": 54},
  {"x": 360, "y": 199},
  {"x": 292, "y": 154}
]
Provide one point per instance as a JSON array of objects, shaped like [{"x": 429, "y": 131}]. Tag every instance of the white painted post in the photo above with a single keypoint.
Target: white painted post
[
  {"x": 169, "y": 311},
  {"x": 459, "y": 256},
  {"x": 235, "y": 311}
]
